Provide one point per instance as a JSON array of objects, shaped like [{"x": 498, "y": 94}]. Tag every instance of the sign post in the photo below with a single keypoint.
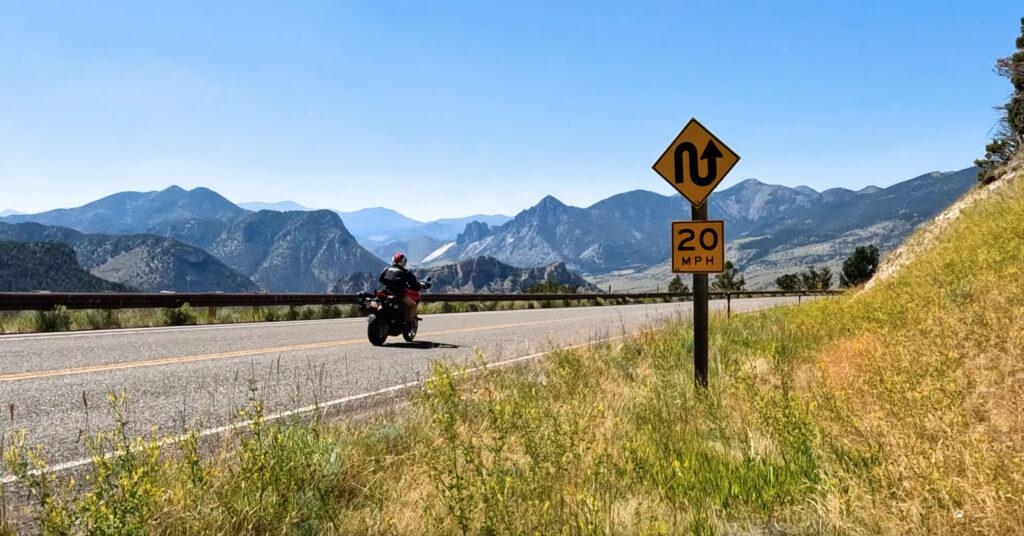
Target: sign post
[
  {"x": 694, "y": 164},
  {"x": 700, "y": 313}
]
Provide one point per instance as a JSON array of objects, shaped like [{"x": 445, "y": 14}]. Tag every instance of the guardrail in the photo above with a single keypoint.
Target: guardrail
[{"x": 41, "y": 301}]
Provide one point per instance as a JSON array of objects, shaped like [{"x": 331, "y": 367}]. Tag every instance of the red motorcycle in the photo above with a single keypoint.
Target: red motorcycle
[{"x": 385, "y": 317}]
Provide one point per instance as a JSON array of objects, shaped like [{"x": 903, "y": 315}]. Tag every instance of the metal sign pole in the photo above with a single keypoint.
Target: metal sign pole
[
  {"x": 700, "y": 314},
  {"x": 694, "y": 164}
]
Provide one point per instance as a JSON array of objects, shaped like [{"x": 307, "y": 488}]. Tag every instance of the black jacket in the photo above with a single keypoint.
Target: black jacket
[{"x": 396, "y": 279}]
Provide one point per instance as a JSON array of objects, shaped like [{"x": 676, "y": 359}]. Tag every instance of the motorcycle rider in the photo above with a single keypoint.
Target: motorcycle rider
[{"x": 402, "y": 283}]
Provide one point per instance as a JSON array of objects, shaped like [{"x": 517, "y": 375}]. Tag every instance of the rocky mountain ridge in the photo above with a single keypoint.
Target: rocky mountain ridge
[{"x": 479, "y": 275}]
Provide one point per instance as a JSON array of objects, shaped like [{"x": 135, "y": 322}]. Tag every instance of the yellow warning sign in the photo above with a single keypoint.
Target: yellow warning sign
[
  {"x": 698, "y": 247},
  {"x": 696, "y": 162}
]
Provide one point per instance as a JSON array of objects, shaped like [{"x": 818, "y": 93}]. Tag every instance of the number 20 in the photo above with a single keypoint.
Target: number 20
[{"x": 708, "y": 239}]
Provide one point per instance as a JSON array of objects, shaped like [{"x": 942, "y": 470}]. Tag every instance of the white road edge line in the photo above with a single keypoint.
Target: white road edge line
[{"x": 315, "y": 407}]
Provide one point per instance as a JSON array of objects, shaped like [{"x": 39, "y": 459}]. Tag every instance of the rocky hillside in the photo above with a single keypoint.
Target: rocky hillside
[
  {"x": 146, "y": 262},
  {"x": 483, "y": 274},
  {"x": 50, "y": 266},
  {"x": 293, "y": 251}
]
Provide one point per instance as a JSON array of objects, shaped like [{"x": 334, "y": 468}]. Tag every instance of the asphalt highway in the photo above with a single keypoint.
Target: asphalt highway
[{"x": 199, "y": 376}]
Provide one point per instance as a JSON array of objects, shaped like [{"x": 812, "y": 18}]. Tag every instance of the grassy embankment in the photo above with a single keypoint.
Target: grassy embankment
[
  {"x": 891, "y": 411},
  {"x": 62, "y": 319}
]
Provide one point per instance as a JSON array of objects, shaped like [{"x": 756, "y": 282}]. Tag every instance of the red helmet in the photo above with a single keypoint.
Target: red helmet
[{"x": 399, "y": 259}]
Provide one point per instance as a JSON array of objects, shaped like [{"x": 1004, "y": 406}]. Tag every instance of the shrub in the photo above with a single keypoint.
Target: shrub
[
  {"x": 290, "y": 313},
  {"x": 676, "y": 286},
  {"x": 789, "y": 282},
  {"x": 729, "y": 280},
  {"x": 816, "y": 279},
  {"x": 56, "y": 319},
  {"x": 859, "y": 266},
  {"x": 182, "y": 316},
  {"x": 100, "y": 319},
  {"x": 328, "y": 311}
]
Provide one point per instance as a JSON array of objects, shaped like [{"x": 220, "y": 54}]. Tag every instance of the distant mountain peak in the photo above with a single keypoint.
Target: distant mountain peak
[
  {"x": 806, "y": 189},
  {"x": 550, "y": 201},
  {"x": 475, "y": 230}
]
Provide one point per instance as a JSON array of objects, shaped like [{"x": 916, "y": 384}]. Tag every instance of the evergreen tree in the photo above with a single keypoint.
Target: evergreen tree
[
  {"x": 676, "y": 286},
  {"x": 859, "y": 266},
  {"x": 550, "y": 287},
  {"x": 1010, "y": 131},
  {"x": 815, "y": 279},
  {"x": 788, "y": 282},
  {"x": 729, "y": 280}
]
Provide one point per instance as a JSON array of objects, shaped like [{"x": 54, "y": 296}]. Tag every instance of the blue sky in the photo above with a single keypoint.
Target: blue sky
[{"x": 451, "y": 108}]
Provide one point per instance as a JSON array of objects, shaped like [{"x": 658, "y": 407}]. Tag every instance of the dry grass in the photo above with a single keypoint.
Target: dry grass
[{"x": 896, "y": 410}]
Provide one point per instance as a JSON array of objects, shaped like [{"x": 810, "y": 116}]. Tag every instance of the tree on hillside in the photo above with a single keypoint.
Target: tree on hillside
[
  {"x": 815, "y": 279},
  {"x": 1009, "y": 133},
  {"x": 550, "y": 287},
  {"x": 788, "y": 282},
  {"x": 676, "y": 286},
  {"x": 859, "y": 266},
  {"x": 729, "y": 280}
]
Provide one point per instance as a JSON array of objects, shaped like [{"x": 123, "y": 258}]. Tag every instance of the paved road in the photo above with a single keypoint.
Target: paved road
[{"x": 198, "y": 375}]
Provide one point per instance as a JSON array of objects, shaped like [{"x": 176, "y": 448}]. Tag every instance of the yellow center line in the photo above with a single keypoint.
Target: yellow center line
[{"x": 34, "y": 375}]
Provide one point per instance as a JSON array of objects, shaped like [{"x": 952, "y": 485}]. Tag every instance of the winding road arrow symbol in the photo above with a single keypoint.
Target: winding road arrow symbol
[{"x": 711, "y": 153}]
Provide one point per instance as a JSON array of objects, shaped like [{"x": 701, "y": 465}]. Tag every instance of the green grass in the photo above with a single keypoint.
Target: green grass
[{"x": 891, "y": 411}]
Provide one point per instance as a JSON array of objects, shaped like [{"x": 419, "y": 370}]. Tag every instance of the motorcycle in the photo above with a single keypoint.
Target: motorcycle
[{"x": 384, "y": 316}]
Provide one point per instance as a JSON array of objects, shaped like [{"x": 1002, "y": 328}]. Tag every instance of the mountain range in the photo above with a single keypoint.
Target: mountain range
[
  {"x": 481, "y": 274},
  {"x": 769, "y": 227},
  {"x": 132, "y": 212},
  {"x": 620, "y": 241}
]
